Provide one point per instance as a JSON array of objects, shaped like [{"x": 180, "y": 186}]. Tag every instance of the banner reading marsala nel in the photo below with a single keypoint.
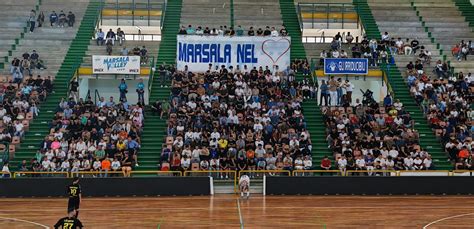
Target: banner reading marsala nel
[
  {"x": 197, "y": 52},
  {"x": 129, "y": 65}
]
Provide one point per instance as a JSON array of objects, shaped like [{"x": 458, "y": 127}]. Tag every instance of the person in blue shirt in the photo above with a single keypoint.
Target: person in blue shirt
[
  {"x": 324, "y": 93},
  {"x": 123, "y": 90},
  {"x": 387, "y": 101},
  {"x": 190, "y": 30},
  {"x": 141, "y": 91},
  {"x": 53, "y": 18}
]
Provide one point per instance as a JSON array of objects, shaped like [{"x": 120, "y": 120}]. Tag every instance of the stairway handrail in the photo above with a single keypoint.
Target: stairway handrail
[
  {"x": 163, "y": 13},
  {"x": 151, "y": 75}
]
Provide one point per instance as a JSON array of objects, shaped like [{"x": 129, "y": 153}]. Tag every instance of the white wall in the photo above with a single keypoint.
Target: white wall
[{"x": 109, "y": 87}]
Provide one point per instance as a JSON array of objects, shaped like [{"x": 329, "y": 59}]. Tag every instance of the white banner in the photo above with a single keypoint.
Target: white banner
[
  {"x": 197, "y": 52},
  {"x": 116, "y": 65}
]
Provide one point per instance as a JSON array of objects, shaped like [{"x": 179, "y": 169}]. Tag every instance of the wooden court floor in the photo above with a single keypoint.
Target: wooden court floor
[{"x": 227, "y": 211}]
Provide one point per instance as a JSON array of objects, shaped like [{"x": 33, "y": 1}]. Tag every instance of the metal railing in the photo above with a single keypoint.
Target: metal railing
[
  {"x": 253, "y": 174},
  {"x": 93, "y": 174},
  {"x": 338, "y": 12},
  {"x": 133, "y": 6},
  {"x": 151, "y": 76}
]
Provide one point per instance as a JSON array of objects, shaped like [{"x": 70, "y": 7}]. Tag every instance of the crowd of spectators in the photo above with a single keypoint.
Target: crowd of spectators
[
  {"x": 231, "y": 31},
  {"x": 102, "y": 137},
  {"x": 373, "y": 137},
  {"x": 376, "y": 51},
  {"x": 232, "y": 119},
  {"x": 55, "y": 19},
  {"x": 108, "y": 39},
  {"x": 446, "y": 101},
  {"x": 20, "y": 97},
  {"x": 462, "y": 49}
]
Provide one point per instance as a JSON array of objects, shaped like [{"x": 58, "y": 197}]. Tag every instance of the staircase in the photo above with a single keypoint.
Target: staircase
[
  {"x": 427, "y": 138},
  {"x": 258, "y": 14},
  {"x": 155, "y": 128},
  {"x": 290, "y": 19},
  {"x": 206, "y": 13},
  {"x": 413, "y": 26},
  {"x": 13, "y": 17},
  {"x": 311, "y": 111},
  {"x": 467, "y": 10},
  {"x": 39, "y": 128},
  {"x": 447, "y": 26}
]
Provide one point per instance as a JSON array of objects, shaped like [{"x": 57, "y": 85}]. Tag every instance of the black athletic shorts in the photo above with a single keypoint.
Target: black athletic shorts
[{"x": 73, "y": 203}]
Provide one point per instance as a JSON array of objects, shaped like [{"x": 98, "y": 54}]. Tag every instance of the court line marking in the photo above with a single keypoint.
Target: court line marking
[
  {"x": 443, "y": 219},
  {"x": 53, "y": 209},
  {"x": 320, "y": 221},
  {"x": 25, "y": 221},
  {"x": 240, "y": 215}
]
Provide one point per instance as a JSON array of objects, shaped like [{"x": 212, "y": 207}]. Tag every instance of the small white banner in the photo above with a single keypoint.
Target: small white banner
[
  {"x": 116, "y": 65},
  {"x": 197, "y": 52}
]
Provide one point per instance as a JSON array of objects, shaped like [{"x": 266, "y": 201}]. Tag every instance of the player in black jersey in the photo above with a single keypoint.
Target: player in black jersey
[
  {"x": 69, "y": 222},
  {"x": 74, "y": 193}
]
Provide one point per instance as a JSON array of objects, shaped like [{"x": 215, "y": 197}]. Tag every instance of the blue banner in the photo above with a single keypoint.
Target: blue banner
[{"x": 354, "y": 66}]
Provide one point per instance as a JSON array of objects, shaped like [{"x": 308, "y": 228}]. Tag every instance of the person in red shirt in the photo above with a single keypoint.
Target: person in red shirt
[
  {"x": 326, "y": 163},
  {"x": 463, "y": 153}
]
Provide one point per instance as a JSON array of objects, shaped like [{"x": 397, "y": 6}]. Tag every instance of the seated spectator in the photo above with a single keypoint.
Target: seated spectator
[
  {"x": 100, "y": 37},
  {"x": 182, "y": 31},
  {"x": 353, "y": 137},
  {"x": 110, "y": 37},
  {"x": 61, "y": 19},
  {"x": 235, "y": 118},
  {"x": 53, "y": 18},
  {"x": 190, "y": 30},
  {"x": 71, "y": 19}
]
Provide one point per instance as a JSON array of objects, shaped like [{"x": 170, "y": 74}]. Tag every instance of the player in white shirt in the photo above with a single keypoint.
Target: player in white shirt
[{"x": 244, "y": 185}]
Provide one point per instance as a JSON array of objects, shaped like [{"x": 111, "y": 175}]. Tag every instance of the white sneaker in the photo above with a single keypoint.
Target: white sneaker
[{"x": 136, "y": 165}]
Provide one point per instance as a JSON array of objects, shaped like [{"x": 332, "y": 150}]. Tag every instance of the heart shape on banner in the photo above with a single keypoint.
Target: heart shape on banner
[{"x": 268, "y": 44}]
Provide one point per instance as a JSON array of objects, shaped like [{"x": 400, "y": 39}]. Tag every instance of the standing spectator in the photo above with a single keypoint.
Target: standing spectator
[
  {"x": 123, "y": 90},
  {"x": 53, "y": 18},
  {"x": 32, "y": 20},
  {"x": 143, "y": 55},
  {"x": 71, "y": 19},
  {"x": 100, "y": 37},
  {"x": 349, "y": 87},
  {"x": 324, "y": 93},
  {"x": 74, "y": 90},
  {"x": 120, "y": 36},
  {"x": 407, "y": 47},
  {"x": 105, "y": 166},
  {"x": 108, "y": 47},
  {"x": 141, "y": 91},
  {"x": 127, "y": 165},
  {"x": 6, "y": 170},
  {"x": 61, "y": 19},
  {"x": 415, "y": 45},
  {"x": 349, "y": 38},
  {"x": 40, "y": 19},
  {"x": 333, "y": 85}
]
